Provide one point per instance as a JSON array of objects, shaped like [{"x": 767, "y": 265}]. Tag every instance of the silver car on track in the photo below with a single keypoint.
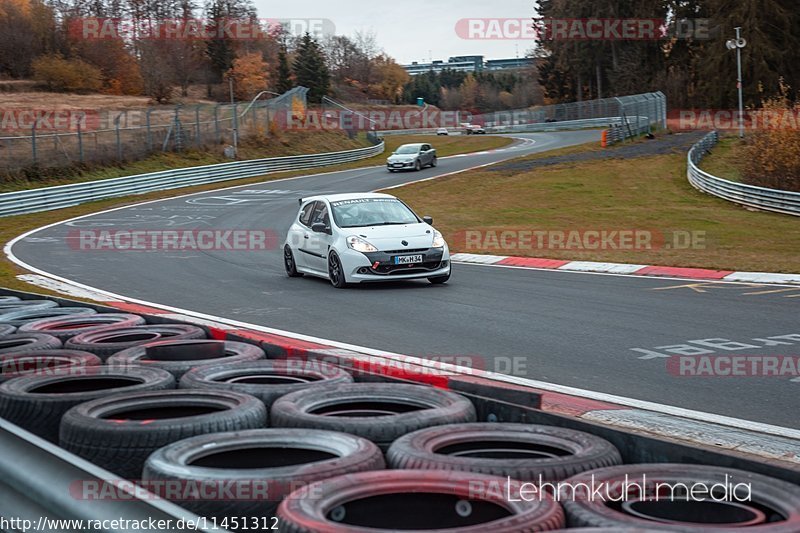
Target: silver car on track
[{"x": 412, "y": 157}]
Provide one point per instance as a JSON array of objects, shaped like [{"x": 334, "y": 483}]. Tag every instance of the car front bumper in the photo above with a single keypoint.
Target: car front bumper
[
  {"x": 379, "y": 266},
  {"x": 401, "y": 165}
]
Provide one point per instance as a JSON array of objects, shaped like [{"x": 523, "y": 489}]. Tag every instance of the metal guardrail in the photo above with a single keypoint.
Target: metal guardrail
[
  {"x": 786, "y": 202},
  {"x": 47, "y": 198},
  {"x": 601, "y": 122},
  {"x": 619, "y": 132},
  {"x": 522, "y": 128},
  {"x": 43, "y": 489}
]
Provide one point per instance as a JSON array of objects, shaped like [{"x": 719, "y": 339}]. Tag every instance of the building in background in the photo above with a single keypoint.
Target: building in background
[{"x": 468, "y": 64}]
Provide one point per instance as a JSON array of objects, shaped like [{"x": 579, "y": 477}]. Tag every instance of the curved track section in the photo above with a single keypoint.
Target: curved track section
[{"x": 606, "y": 333}]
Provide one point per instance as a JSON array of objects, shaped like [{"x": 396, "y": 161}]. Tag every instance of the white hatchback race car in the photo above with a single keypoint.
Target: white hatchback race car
[{"x": 355, "y": 238}]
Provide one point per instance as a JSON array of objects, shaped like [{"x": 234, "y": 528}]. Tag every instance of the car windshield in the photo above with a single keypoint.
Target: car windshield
[
  {"x": 363, "y": 212},
  {"x": 407, "y": 149}
]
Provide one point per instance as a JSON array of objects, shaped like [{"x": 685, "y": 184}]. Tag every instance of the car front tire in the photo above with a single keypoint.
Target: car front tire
[
  {"x": 417, "y": 165},
  {"x": 289, "y": 264},
  {"x": 336, "y": 271}
]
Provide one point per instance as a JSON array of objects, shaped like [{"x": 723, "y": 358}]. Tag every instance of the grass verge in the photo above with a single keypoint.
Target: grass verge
[
  {"x": 726, "y": 159},
  {"x": 648, "y": 194}
]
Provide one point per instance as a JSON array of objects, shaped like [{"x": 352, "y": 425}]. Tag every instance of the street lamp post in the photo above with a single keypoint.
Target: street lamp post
[{"x": 737, "y": 44}]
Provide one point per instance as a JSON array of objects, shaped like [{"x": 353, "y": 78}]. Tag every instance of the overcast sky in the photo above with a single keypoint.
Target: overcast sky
[{"x": 411, "y": 30}]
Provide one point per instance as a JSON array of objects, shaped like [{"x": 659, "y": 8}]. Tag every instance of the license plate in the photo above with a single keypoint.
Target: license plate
[{"x": 407, "y": 259}]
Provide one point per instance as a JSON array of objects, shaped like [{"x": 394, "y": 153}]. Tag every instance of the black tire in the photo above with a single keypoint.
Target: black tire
[
  {"x": 43, "y": 362},
  {"x": 266, "y": 380},
  {"x": 145, "y": 421},
  {"x": 289, "y": 264},
  {"x": 524, "y": 452},
  {"x": 608, "y": 530},
  {"x": 180, "y": 356},
  {"x": 380, "y": 412},
  {"x": 38, "y": 402},
  {"x": 438, "y": 280},
  {"x": 777, "y": 499},
  {"x": 65, "y": 328},
  {"x": 335, "y": 271},
  {"x": 108, "y": 341},
  {"x": 23, "y": 316},
  {"x": 18, "y": 305},
  {"x": 398, "y": 500},
  {"x": 417, "y": 165},
  {"x": 277, "y": 460},
  {"x": 27, "y": 342},
  {"x": 434, "y": 162},
  {"x": 7, "y": 329}
]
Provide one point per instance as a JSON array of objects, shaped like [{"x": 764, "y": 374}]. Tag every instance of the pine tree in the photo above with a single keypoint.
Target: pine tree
[
  {"x": 283, "y": 73},
  {"x": 310, "y": 69},
  {"x": 772, "y": 51}
]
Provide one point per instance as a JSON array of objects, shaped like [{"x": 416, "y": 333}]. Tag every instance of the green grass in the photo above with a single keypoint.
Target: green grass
[
  {"x": 10, "y": 227},
  {"x": 726, "y": 159},
  {"x": 646, "y": 193}
]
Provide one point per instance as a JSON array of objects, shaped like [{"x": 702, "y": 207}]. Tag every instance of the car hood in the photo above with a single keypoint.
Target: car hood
[
  {"x": 402, "y": 158},
  {"x": 391, "y": 237}
]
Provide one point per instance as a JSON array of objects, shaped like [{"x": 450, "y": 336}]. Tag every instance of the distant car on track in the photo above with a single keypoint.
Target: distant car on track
[
  {"x": 442, "y": 131},
  {"x": 476, "y": 129},
  {"x": 356, "y": 238},
  {"x": 412, "y": 157}
]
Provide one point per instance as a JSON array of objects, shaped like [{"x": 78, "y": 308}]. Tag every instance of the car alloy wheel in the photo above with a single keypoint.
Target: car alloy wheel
[
  {"x": 417, "y": 165},
  {"x": 288, "y": 262},
  {"x": 335, "y": 272}
]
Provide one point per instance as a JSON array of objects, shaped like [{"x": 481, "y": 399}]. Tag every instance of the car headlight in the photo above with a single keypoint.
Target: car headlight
[
  {"x": 360, "y": 245},
  {"x": 438, "y": 240}
]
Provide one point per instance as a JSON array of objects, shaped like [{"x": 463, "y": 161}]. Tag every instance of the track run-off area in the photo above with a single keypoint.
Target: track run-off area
[{"x": 612, "y": 334}]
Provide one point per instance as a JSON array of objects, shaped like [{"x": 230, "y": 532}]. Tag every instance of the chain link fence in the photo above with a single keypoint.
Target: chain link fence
[
  {"x": 635, "y": 112},
  {"x": 112, "y": 136}
]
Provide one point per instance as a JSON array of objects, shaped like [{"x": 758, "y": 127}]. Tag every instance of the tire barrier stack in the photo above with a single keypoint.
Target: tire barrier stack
[{"x": 306, "y": 443}]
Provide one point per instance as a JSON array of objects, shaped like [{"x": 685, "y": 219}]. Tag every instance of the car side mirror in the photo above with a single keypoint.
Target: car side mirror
[
  {"x": 319, "y": 227},
  {"x": 428, "y": 220}
]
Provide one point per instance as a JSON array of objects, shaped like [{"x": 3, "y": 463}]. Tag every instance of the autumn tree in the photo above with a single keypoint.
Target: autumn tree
[
  {"x": 60, "y": 74},
  {"x": 249, "y": 75},
  {"x": 390, "y": 79}
]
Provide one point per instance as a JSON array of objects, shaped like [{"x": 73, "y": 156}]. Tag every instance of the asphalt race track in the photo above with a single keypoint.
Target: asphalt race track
[{"x": 598, "y": 332}]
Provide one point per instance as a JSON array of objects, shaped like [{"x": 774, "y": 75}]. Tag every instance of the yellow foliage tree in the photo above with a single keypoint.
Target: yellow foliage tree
[
  {"x": 773, "y": 153},
  {"x": 72, "y": 75},
  {"x": 249, "y": 74}
]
